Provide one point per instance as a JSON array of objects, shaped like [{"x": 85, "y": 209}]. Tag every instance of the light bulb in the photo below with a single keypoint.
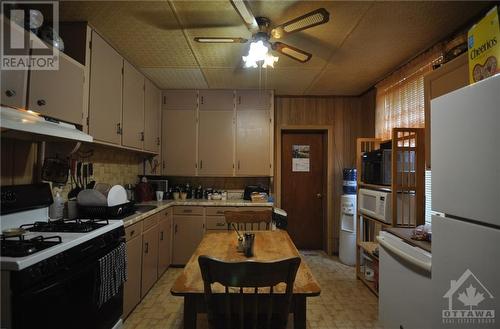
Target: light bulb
[{"x": 258, "y": 52}]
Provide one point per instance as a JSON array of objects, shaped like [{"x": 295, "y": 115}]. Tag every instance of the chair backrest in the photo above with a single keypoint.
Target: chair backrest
[
  {"x": 249, "y": 220},
  {"x": 247, "y": 277}
]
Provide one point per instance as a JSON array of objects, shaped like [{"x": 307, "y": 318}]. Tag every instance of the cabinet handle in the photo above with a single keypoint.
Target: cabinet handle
[
  {"x": 146, "y": 247},
  {"x": 142, "y": 136},
  {"x": 238, "y": 164},
  {"x": 188, "y": 211},
  {"x": 163, "y": 164},
  {"x": 10, "y": 92},
  {"x": 201, "y": 164},
  {"x": 41, "y": 102},
  {"x": 239, "y": 100},
  {"x": 202, "y": 100},
  {"x": 161, "y": 235},
  {"x": 118, "y": 128},
  {"x": 132, "y": 232},
  {"x": 175, "y": 231}
]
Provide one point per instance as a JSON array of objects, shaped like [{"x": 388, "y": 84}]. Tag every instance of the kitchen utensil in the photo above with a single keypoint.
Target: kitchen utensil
[
  {"x": 117, "y": 195},
  {"x": 55, "y": 170},
  {"x": 91, "y": 198},
  {"x": 159, "y": 195}
]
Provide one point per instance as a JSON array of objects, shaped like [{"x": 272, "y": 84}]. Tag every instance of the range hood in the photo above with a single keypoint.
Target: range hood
[{"x": 29, "y": 125}]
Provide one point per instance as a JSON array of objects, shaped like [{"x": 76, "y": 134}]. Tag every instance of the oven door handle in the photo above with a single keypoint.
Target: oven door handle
[{"x": 426, "y": 266}]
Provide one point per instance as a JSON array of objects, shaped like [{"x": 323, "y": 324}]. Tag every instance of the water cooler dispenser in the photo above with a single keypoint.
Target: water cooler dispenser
[{"x": 347, "y": 243}]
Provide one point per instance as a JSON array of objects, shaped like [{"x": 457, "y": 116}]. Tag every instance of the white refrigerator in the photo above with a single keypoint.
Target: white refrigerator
[{"x": 465, "y": 151}]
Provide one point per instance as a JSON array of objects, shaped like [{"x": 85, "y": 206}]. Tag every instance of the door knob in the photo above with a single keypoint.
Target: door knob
[{"x": 319, "y": 196}]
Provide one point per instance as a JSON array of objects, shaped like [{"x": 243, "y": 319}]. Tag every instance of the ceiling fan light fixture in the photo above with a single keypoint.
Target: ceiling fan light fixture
[{"x": 258, "y": 52}]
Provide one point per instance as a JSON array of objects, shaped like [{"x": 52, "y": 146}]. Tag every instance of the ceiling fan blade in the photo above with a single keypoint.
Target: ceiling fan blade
[
  {"x": 314, "y": 18},
  {"x": 246, "y": 14},
  {"x": 292, "y": 52},
  {"x": 219, "y": 40}
]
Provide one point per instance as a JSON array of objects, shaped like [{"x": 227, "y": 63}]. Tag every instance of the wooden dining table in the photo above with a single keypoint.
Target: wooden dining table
[{"x": 268, "y": 246}]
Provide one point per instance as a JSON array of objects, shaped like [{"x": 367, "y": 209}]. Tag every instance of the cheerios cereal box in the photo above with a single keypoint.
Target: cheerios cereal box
[{"x": 484, "y": 47}]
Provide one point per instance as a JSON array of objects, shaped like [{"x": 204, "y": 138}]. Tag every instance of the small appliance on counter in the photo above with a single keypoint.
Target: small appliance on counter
[
  {"x": 250, "y": 189},
  {"x": 159, "y": 185}
]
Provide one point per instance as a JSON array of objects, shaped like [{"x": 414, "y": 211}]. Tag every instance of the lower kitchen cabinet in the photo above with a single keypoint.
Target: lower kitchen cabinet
[
  {"x": 149, "y": 259},
  {"x": 188, "y": 233},
  {"x": 132, "y": 287},
  {"x": 164, "y": 242}
]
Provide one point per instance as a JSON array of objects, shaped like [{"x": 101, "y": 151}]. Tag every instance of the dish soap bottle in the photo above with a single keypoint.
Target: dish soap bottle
[{"x": 56, "y": 209}]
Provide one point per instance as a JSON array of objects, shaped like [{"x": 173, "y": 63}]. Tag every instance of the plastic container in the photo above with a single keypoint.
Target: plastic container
[
  {"x": 56, "y": 209},
  {"x": 350, "y": 180}
]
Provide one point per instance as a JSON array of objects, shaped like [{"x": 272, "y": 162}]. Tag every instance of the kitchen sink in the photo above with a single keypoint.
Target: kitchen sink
[{"x": 141, "y": 209}]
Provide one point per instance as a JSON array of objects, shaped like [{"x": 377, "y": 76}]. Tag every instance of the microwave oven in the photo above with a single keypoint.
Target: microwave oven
[
  {"x": 376, "y": 167},
  {"x": 376, "y": 204}
]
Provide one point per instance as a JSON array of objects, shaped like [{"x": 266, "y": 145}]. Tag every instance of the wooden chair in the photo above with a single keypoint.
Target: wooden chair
[
  {"x": 241, "y": 308},
  {"x": 249, "y": 220}
]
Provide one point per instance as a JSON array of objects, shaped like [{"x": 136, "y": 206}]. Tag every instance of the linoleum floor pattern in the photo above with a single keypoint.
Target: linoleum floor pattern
[{"x": 344, "y": 303}]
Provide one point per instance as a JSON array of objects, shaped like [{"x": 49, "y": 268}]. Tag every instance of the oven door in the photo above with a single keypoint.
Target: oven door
[{"x": 68, "y": 300}]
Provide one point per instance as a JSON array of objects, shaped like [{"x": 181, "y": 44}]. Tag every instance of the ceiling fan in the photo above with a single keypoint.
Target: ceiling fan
[{"x": 262, "y": 31}]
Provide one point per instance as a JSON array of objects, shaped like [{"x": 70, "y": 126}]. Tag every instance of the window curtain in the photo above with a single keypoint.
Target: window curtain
[{"x": 400, "y": 96}]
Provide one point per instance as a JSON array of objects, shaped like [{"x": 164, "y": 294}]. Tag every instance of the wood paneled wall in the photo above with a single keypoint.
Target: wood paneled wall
[{"x": 348, "y": 118}]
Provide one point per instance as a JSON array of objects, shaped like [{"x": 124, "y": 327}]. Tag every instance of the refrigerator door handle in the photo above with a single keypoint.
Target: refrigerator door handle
[{"x": 417, "y": 262}]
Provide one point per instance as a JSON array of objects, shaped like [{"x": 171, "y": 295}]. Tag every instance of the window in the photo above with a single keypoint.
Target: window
[{"x": 400, "y": 97}]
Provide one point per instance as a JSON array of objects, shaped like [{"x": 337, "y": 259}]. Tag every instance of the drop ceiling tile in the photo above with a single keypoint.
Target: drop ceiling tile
[
  {"x": 144, "y": 32},
  {"x": 174, "y": 78},
  {"x": 283, "y": 81}
]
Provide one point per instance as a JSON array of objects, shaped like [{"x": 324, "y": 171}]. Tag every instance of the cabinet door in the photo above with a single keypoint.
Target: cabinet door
[
  {"x": 132, "y": 287},
  {"x": 253, "y": 100},
  {"x": 253, "y": 143},
  {"x": 58, "y": 93},
  {"x": 105, "y": 106},
  {"x": 216, "y": 100},
  {"x": 133, "y": 107},
  {"x": 152, "y": 108},
  {"x": 165, "y": 243},
  {"x": 216, "y": 143},
  {"x": 14, "y": 83},
  {"x": 188, "y": 233},
  {"x": 149, "y": 259},
  {"x": 180, "y": 100},
  {"x": 179, "y": 142}
]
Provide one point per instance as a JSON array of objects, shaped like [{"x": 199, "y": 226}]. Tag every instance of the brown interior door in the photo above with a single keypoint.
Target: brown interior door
[{"x": 302, "y": 186}]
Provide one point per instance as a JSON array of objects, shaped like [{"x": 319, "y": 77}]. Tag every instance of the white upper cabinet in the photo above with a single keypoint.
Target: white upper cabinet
[
  {"x": 105, "y": 106},
  {"x": 179, "y": 133},
  {"x": 216, "y": 100},
  {"x": 152, "y": 107},
  {"x": 58, "y": 93},
  {"x": 180, "y": 99},
  {"x": 133, "y": 107},
  {"x": 253, "y": 143},
  {"x": 14, "y": 82},
  {"x": 253, "y": 100},
  {"x": 216, "y": 143}
]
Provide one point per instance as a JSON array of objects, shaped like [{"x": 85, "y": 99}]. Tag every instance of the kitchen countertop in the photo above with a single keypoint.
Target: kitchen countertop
[
  {"x": 405, "y": 234},
  {"x": 161, "y": 205}
]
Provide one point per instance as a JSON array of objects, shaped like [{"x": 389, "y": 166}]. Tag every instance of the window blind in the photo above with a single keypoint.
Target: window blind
[{"x": 400, "y": 97}]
